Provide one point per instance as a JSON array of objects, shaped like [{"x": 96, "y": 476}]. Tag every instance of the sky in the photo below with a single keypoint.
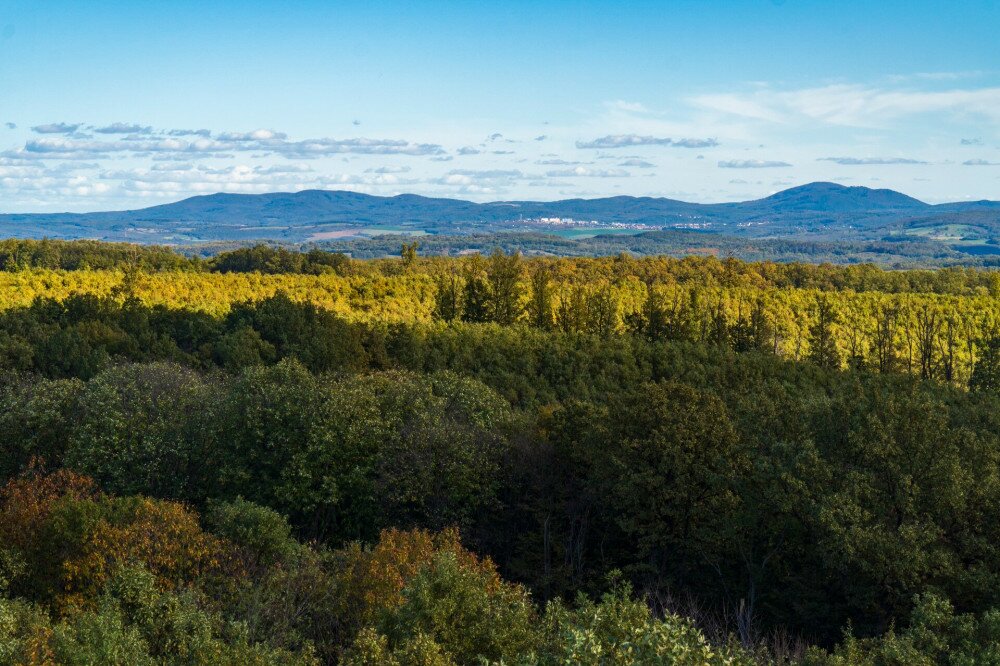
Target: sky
[{"x": 118, "y": 105}]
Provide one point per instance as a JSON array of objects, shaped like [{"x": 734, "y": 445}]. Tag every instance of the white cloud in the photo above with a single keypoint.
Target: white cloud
[
  {"x": 124, "y": 128},
  {"x": 367, "y": 181},
  {"x": 258, "y": 141},
  {"x": 978, "y": 162},
  {"x": 752, "y": 164},
  {"x": 256, "y": 135},
  {"x": 186, "y": 179},
  {"x": 389, "y": 169},
  {"x": 629, "y": 107},
  {"x": 865, "y": 161},
  {"x": 486, "y": 174},
  {"x": 172, "y": 166},
  {"x": 63, "y": 181},
  {"x": 628, "y": 140},
  {"x": 480, "y": 182},
  {"x": 188, "y": 132},
  {"x": 70, "y": 148},
  {"x": 851, "y": 104},
  {"x": 316, "y": 147},
  {"x": 56, "y": 128},
  {"x": 587, "y": 172},
  {"x": 283, "y": 169}
]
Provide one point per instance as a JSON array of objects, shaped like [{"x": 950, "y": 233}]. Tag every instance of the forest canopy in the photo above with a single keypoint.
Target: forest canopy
[{"x": 303, "y": 458}]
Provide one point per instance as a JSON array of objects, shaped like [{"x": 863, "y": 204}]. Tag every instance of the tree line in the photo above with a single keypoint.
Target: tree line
[{"x": 21, "y": 255}]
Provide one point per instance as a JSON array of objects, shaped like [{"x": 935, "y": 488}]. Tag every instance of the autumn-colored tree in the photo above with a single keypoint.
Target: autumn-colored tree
[
  {"x": 371, "y": 580},
  {"x": 27, "y": 502},
  {"x": 164, "y": 537}
]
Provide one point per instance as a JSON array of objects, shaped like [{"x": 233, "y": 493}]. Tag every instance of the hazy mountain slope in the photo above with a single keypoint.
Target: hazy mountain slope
[
  {"x": 817, "y": 210},
  {"x": 834, "y": 198}
]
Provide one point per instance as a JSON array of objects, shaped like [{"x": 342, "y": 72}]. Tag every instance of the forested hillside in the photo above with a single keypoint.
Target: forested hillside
[{"x": 271, "y": 457}]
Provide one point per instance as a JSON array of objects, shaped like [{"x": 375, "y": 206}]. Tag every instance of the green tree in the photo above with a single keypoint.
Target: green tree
[
  {"x": 147, "y": 429},
  {"x": 37, "y": 420},
  {"x": 469, "y": 613},
  {"x": 448, "y": 296},
  {"x": 540, "y": 308},
  {"x": 985, "y": 376},
  {"x": 621, "y": 631},
  {"x": 935, "y": 635},
  {"x": 504, "y": 273},
  {"x": 822, "y": 339},
  {"x": 603, "y": 311},
  {"x": 408, "y": 253},
  {"x": 476, "y": 296},
  {"x": 673, "y": 468}
]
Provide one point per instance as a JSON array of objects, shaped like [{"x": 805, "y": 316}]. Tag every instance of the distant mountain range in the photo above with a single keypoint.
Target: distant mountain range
[{"x": 817, "y": 211}]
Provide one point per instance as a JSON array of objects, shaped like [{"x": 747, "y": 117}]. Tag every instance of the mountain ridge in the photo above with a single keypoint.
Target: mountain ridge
[{"x": 814, "y": 208}]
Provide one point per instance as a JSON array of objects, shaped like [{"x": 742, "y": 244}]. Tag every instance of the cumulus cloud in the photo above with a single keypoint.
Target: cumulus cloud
[
  {"x": 282, "y": 169},
  {"x": 357, "y": 146},
  {"x": 260, "y": 142},
  {"x": 972, "y": 142},
  {"x": 752, "y": 164},
  {"x": 124, "y": 128},
  {"x": 559, "y": 162},
  {"x": 172, "y": 166},
  {"x": 485, "y": 181},
  {"x": 695, "y": 143},
  {"x": 256, "y": 135},
  {"x": 468, "y": 150},
  {"x": 630, "y": 107},
  {"x": 73, "y": 148},
  {"x": 486, "y": 174},
  {"x": 979, "y": 162},
  {"x": 364, "y": 182},
  {"x": 56, "y": 128},
  {"x": 543, "y": 137},
  {"x": 389, "y": 169},
  {"x": 189, "y": 132},
  {"x": 627, "y": 140},
  {"x": 587, "y": 172},
  {"x": 11, "y": 125},
  {"x": 862, "y": 161},
  {"x": 640, "y": 164},
  {"x": 179, "y": 179},
  {"x": 62, "y": 181}
]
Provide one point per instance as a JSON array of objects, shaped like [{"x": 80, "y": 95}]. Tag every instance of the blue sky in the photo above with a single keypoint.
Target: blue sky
[{"x": 109, "y": 105}]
